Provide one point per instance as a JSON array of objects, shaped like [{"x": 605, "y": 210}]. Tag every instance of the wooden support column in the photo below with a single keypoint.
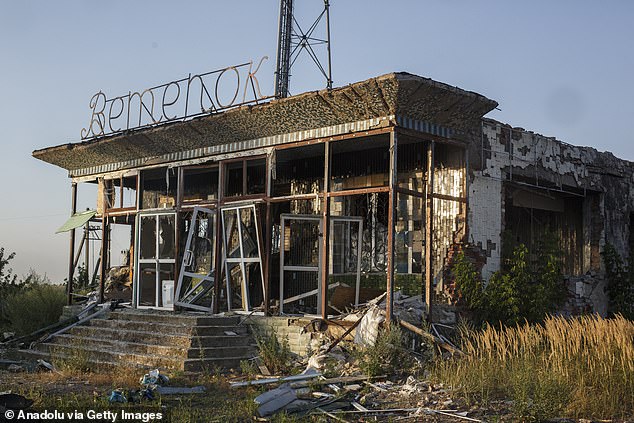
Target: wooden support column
[
  {"x": 105, "y": 251},
  {"x": 325, "y": 238},
  {"x": 429, "y": 228},
  {"x": 71, "y": 255},
  {"x": 391, "y": 226}
]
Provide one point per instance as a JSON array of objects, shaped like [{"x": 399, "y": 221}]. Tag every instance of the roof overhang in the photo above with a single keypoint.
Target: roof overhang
[{"x": 395, "y": 98}]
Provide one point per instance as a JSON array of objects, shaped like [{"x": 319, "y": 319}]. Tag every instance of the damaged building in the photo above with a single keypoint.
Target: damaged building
[{"x": 320, "y": 201}]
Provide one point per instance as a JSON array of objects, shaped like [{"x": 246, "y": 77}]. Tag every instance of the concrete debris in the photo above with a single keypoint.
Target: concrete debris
[
  {"x": 274, "y": 400},
  {"x": 309, "y": 374},
  {"x": 15, "y": 368},
  {"x": 177, "y": 390}
]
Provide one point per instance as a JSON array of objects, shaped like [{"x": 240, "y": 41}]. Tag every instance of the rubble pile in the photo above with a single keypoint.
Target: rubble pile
[{"x": 333, "y": 383}]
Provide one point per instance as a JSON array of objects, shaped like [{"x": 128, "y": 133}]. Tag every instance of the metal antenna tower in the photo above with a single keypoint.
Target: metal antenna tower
[{"x": 293, "y": 40}]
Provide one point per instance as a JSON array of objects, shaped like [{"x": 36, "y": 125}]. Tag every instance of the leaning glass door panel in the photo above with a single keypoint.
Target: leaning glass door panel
[
  {"x": 196, "y": 280},
  {"x": 242, "y": 258}
]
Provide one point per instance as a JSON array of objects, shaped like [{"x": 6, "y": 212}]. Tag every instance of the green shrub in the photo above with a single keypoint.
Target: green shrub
[
  {"x": 34, "y": 307},
  {"x": 275, "y": 355},
  {"x": 519, "y": 292},
  {"x": 620, "y": 283},
  {"x": 388, "y": 355}
]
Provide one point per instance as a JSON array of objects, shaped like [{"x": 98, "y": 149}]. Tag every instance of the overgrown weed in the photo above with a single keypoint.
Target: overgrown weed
[
  {"x": 388, "y": 355},
  {"x": 582, "y": 367},
  {"x": 275, "y": 354}
]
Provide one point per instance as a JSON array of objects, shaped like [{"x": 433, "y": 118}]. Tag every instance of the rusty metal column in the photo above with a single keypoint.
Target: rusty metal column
[
  {"x": 429, "y": 227},
  {"x": 71, "y": 256},
  {"x": 218, "y": 263},
  {"x": 325, "y": 238},
  {"x": 105, "y": 251},
  {"x": 391, "y": 222},
  {"x": 87, "y": 250},
  {"x": 268, "y": 227}
]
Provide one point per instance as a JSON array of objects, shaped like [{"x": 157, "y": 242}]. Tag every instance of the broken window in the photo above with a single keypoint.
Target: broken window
[
  {"x": 360, "y": 163},
  {"x": 371, "y": 212},
  {"x": 411, "y": 163},
  {"x": 300, "y": 258},
  {"x": 245, "y": 177},
  {"x": 157, "y": 259},
  {"x": 537, "y": 218},
  {"x": 409, "y": 254},
  {"x": 158, "y": 188},
  {"x": 299, "y": 170},
  {"x": 120, "y": 193},
  {"x": 200, "y": 185}
]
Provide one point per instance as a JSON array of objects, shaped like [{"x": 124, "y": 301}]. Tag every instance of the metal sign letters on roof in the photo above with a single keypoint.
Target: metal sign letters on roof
[{"x": 205, "y": 93}]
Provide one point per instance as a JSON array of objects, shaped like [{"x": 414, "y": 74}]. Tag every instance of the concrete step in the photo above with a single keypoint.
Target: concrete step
[
  {"x": 193, "y": 365},
  {"x": 168, "y": 328},
  {"x": 93, "y": 353},
  {"x": 191, "y": 319},
  {"x": 146, "y": 339},
  {"x": 225, "y": 350},
  {"x": 155, "y": 338}
]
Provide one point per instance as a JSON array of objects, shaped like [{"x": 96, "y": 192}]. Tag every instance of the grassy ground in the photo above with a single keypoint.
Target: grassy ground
[{"x": 83, "y": 391}]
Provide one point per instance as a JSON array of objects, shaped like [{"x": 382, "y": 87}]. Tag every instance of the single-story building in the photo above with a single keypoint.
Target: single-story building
[{"x": 319, "y": 201}]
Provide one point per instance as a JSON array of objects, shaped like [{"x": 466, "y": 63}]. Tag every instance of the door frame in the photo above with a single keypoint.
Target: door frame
[
  {"x": 306, "y": 217},
  {"x": 241, "y": 261},
  {"x": 349, "y": 219},
  {"x": 158, "y": 261}
]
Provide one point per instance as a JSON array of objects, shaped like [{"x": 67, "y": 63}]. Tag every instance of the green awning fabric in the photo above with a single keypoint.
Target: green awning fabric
[{"x": 77, "y": 220}]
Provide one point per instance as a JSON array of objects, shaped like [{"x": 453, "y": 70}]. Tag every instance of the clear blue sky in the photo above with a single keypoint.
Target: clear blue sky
[{"x": 561, "y": 68}]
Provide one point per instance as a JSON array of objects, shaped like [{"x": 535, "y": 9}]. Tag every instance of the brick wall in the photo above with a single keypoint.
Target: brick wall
[{"x": 289, "y": 328}]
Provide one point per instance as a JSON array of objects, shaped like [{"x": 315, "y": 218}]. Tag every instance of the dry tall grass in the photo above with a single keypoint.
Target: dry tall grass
[{"x": 581, "y": 367}]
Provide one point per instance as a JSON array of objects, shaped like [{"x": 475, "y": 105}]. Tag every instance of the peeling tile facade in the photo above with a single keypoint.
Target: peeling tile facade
[{"x": 509, "y": 160}]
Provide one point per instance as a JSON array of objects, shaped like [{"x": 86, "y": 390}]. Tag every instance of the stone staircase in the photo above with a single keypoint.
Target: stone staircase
[{"x": 153, "y": 339}]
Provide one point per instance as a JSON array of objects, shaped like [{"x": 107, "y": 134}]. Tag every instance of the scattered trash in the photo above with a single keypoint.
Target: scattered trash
[
  {"x": 230, "y": 333},
  {"x": 151, "y": 384},
  {"x": 153, "y": 379},
  {"x": 45, "y": 365},
  {"x": 117, "y": 396},
  {"x": 368, "y": 329}
]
